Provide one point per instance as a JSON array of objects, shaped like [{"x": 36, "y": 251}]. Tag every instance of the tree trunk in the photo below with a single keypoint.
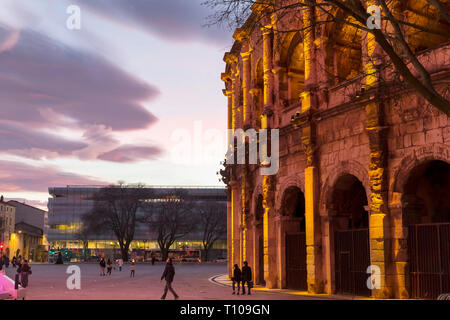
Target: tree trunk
[
  {"x": 124, "y": 252},
  {"x": 164, "y": 253}
]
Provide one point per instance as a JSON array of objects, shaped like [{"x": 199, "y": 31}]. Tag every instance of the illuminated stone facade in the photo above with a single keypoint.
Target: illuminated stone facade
[{"x": 353, "y": 149}]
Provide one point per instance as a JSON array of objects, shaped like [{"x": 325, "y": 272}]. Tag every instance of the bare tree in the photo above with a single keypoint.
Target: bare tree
[
  {"x": 213, "y": 225},
  {"x": 115, "y": 210},
  {"x": 85, "y": 233},
  {"x": 170, "y": 217},
  {"x": 395, "y": 50}
]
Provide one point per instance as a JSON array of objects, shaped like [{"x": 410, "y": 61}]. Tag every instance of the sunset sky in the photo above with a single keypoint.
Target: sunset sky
[{"x": 135, "y": 95}]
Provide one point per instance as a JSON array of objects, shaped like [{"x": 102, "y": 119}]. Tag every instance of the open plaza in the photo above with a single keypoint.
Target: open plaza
[{"x": 192, "y": 282}]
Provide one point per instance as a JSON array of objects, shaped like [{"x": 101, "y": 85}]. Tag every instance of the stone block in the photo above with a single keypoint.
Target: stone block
[
  {"x": 407, "y": 140},
  {"x": 418, "y": 139},
  {"x": 414, "y": 126},
  {"x": 434, "y": 135}
]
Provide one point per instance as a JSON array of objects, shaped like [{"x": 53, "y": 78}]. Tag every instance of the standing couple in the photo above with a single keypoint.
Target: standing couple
[{"x": 244, "y": 276}]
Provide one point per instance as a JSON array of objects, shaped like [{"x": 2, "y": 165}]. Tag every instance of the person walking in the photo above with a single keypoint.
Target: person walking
[
  {"x": 14, "y": 261},
  {"x": 153, "y": 260},
  {"x": 102, "y": 266},
  {"x": 246, "y": 277},
  {"x": 133, "y": 268},
  {"x": 110, "y": 266},
  {"x": 168, "y": 275},
  {"x": 120, "y": 263},
  {"x": 237, "y": 275},
  {"x": 7, "y": 261},
  {"x": 24, "y": 270}
]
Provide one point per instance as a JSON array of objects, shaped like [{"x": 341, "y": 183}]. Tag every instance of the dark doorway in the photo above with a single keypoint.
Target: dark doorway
[
  {"x": 293, "y": 207},
  {"x": 426, "y": 213},
  {"x": 351, "y": 236}
]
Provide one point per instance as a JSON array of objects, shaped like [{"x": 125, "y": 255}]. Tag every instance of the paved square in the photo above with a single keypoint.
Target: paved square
[{"x": 48, "y": 282}]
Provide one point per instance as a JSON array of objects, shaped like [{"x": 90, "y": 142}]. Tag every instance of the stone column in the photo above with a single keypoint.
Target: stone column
[
  {"x": 229, "y": 232},
  {"x": 312, "y": 216},
  {"x": 246, "y": 84},
  {"x": 235, "y": 223},
  {"x": 269, "y": 232},
  {"x": 243, "y": 214},
  {"x": 379, "y": 226},
  {"x": 267, "y": 65}
]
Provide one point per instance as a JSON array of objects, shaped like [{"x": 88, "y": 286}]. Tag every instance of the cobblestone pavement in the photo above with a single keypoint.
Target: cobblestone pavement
[{"x": 192, "y": 281}]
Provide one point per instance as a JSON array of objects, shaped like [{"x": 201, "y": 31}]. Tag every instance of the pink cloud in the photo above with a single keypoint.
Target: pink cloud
[
  {"x": 130, "y": 153},
  {"x": 22, "y": 177}
]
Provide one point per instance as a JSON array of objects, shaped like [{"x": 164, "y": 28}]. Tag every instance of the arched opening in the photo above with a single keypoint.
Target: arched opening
[
  {"x": 259, "y": 92},
  {"x": 292, "y": 60},
  {"x": 424, "y": 14},
  {"x": 426, "y": 214},
  {"x": 350, "y": 228},
  {"x": 344, "y": 51},
  {"x": 259, "y": 243},
  {"x": 293, "y": 210}
]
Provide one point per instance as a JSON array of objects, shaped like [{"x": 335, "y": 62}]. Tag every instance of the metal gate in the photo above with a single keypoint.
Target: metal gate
[
  {"x": 429, "y": 259},
  {"x": 352, "y": 257},
  {"x": 296, "y": 261}
]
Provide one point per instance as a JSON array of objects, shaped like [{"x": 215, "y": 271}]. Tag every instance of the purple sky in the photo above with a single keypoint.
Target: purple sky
[{"x": 135, "y": 95}]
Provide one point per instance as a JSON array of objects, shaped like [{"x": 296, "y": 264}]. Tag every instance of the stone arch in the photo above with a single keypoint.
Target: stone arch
[
  {"x": 291, "y": 181},
  {"x": 421, "y": 13},
  {"x": 414, "y": 159},
  {"x": 292, "y": 62},
  {"x": 344, "y": 49},
  {"x": 346, "y": 167}
]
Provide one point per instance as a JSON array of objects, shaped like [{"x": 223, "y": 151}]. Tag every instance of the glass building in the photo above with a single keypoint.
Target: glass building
[{"x": 67, "y": 205}]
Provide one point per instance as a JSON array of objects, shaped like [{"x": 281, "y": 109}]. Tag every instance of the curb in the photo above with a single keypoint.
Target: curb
[{"x": 296, "y": 293}]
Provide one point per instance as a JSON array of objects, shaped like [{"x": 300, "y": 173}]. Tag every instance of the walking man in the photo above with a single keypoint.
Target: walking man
[
  {"x": 168, "y": 274},
  {"x": 120, "y": 263},
  {"x": 246, "y": 278}
]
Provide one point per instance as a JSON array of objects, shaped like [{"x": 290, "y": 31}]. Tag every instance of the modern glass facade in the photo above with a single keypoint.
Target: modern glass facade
[{"x": 67, "y": 205}]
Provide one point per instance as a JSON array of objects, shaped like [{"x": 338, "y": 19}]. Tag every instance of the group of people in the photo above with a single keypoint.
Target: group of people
[
  {"x": 242, "y": 277},
  {"x": 108, "y": 265},
  {"x": 168, "y": 274},
  {"x": 23, "y": 268}
]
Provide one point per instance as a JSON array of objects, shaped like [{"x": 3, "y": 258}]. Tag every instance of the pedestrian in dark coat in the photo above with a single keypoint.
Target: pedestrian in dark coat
[
  {"x": 6, "y": 261},
  {"x": 153, "y": 260},
  {"x": 246, "y": 277},
  {"x": 168, "y": 275},
  {"x": 24, "y": 270},
  {"x": 237, "y": 276},
  {"x": 109, "y": 267},
  {"x": 102, "y": 266},
  {"x": 14, "y": 261}
]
